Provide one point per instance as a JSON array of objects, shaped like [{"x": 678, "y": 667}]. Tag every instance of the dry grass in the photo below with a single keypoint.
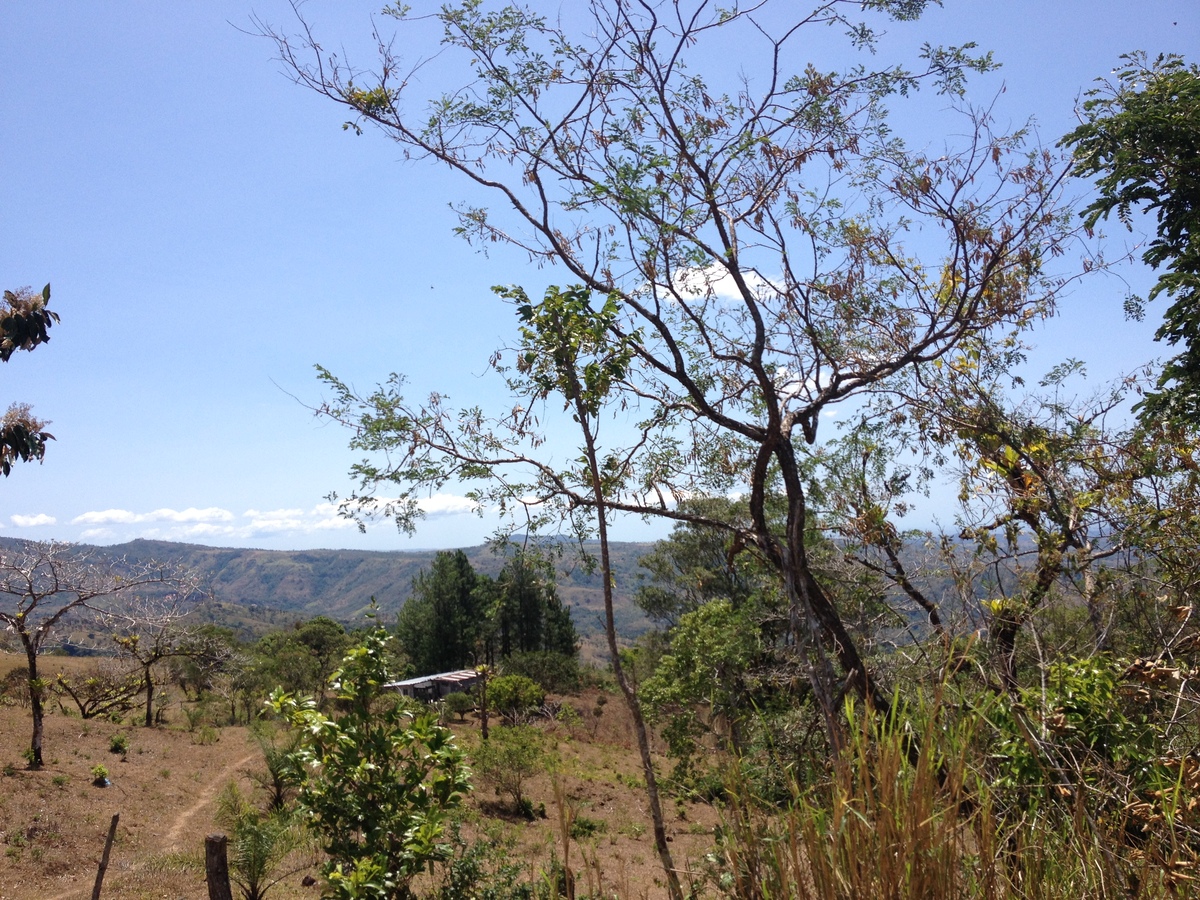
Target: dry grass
[{"x": 882, "y": 827}]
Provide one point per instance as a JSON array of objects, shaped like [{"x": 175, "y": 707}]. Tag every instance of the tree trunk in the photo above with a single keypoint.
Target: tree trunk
[
  {"x": 35, "y": 703},
  {"x": 483, "y": 703},
  {"x": 216, "y": 867},
  {"x": 809, "y": 600},
  {"x": 149, "y": 676},
  {"x": 610, "y": 631}
]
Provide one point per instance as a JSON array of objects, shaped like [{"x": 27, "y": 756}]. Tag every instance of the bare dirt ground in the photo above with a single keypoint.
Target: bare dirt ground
[{"x": 53, "y": 822}]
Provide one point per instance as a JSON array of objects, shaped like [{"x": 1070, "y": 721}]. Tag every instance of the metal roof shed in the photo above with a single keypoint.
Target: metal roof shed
[{"x": 435, "y": 687}]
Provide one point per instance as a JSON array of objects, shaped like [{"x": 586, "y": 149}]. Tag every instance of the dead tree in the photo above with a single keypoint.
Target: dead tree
[{"x": 44, "y": 584}]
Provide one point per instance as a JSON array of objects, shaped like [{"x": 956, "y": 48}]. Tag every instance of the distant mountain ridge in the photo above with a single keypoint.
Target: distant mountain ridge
[{"x": 341, "y": 583}]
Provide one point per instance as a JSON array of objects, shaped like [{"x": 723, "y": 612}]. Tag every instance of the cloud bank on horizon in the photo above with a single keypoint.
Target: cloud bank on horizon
[{"x": 214, "y": 523}]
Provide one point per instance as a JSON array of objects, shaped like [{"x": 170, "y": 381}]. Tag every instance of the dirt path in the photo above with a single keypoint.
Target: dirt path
[
  {"x": 178, "y": 824},
  {"x": 206, "y": 797}
]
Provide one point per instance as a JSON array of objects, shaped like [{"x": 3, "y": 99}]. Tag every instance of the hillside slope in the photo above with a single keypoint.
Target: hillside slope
[{"x": 342, "y": 583}]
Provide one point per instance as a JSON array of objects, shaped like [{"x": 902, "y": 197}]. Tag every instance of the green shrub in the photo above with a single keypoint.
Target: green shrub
[
  {"x": 483, "y": 870},
  {"x": 557, "y": 672},
  {"x": 119, "y": 743},
  {"x": 584, "y": 827},
  {"x": 1087, "y": 724},
  {"x": 258, "y": 842},
  {"x": 195, "y": 715},
  {"x": 376, "y": 783},
  {"x": 944, "y": 823},
  {"x": 206, "y": 735},
  {"x": 509, "y": 758},
  {"x": 280, "y": 777},
  {"x": 459, "y": 704},
  {"x": 515, "y": 696},
  {"x": 568, "y": 716}
]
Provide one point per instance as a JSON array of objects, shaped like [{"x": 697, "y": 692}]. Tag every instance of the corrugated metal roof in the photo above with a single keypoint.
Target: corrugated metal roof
[{"x": 422, "y": 680}]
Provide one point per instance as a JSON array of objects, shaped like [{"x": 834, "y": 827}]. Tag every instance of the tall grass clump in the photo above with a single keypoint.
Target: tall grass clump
[{"x": 921, "y": 804}]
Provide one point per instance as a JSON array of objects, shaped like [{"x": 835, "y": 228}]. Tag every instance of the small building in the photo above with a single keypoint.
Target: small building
[{"x": 435, "y": 687}]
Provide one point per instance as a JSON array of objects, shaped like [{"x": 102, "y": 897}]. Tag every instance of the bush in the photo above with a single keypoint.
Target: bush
[
  {"x": 103, "y": 689},
  {"x": 459, "y": 704},
  {"x": 568, "y": 716},
  {"x": 206, "y": 735},
  {"x": 509, "y": 758},
  {"x": 119, "y": 743},
  {"x": 258, "y": 842},
  {"x": 515, "y": 696},
  {"x": 484, "y": 870},
  {"x": 584, "y": 827},
  {"x": 278, "y": 781},
  {"x": 14, "y": 688},
  {"x": 558, "y": 672},
  {"x": 376, "y": 783},
  {"x": 879, "y": 823}
]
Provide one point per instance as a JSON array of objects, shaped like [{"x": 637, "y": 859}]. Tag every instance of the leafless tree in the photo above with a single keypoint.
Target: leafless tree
[
  {"x": 150, "y": 629},
  {"x": 42, "y": 585},
  {"x": 107, "y": 686}
]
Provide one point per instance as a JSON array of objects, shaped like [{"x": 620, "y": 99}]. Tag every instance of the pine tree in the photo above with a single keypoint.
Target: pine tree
[{"x": 442, "y": 620}]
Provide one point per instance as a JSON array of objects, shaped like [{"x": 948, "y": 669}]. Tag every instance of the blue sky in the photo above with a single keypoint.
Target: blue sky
[{"x": 210, "y": 232}]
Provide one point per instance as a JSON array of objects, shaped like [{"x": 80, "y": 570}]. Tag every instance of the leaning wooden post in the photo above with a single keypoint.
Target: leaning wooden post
[
  {"x": 112, "y": 833},
  {"x": 216, "y": 867}
]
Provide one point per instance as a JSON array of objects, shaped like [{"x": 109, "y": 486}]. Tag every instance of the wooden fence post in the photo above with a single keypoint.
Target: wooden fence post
[
  {"x": 216, "y": 867},
  {"x": 112, "y": 833}
]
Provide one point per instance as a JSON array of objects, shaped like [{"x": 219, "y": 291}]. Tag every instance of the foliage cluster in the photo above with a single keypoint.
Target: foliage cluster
[
  {"x": 508, "y": 759},
  {"x": 515, "y": 696},
  {"x": 378, "y": 782},
  {"x": 25, "y": 322},
  {"x": 1138, "y": 140}
]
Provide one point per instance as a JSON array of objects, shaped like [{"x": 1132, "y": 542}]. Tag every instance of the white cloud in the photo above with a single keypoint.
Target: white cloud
[
  {"x": 125, "y": 517},
  {"x": 327, "y": 518},
  {"x": 715, "y": 281},
  {"x": 33, "y": 521},
  {"x": 106, "y": 517},
  {"x": 439, "y": 504},
  {"x": 276, "y": 513},
  {"x": 276, "y": 520},
  {"x": 445, "y": 505},
  {"x": 213, "y": 524},
  {"x": 191, "y": 514}
]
